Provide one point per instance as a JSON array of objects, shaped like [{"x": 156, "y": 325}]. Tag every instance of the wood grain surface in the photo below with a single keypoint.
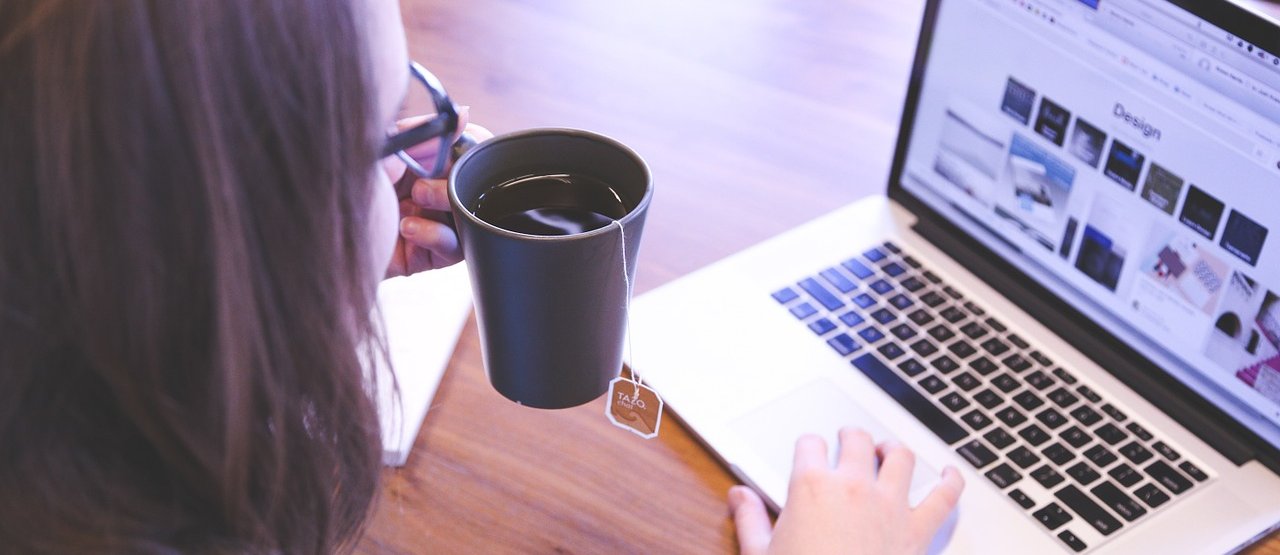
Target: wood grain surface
[{"x": 754, "y": 115}]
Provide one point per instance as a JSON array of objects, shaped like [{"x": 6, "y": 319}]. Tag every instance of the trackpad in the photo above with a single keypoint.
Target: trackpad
[{"x": 817, "y": 408}]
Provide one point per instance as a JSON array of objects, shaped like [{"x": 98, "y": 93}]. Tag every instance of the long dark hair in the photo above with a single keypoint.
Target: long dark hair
[{"x": 184, "y": 280}]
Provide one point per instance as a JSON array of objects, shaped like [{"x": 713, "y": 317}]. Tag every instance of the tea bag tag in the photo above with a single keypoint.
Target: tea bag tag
[
  {"x": 631, "y": 404},
  {"x": 634, "y": 406}
]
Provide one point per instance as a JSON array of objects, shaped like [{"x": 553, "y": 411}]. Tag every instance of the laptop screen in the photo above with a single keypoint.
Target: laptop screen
[{"x": 1126, "y": 155}]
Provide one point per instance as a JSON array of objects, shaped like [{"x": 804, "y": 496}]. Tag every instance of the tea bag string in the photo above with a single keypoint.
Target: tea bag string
[{"x": 626, "y": 281}]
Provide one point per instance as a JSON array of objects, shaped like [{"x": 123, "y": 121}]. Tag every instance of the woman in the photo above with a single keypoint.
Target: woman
[{"x": 195, "y": 210}]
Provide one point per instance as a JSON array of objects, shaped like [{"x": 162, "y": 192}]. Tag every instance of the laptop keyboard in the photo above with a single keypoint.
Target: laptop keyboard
[{"x": 1072, "y": 460}]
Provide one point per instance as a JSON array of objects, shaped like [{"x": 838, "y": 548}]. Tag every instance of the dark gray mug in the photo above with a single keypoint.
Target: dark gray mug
[{"x": 551, "y": 309}]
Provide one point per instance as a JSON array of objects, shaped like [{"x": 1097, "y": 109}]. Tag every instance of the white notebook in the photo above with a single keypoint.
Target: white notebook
[{"x": 424, "y": 315}]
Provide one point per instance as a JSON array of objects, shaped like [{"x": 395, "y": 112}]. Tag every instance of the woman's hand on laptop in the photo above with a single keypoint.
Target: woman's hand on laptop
[{"x": 850, "y": 508}]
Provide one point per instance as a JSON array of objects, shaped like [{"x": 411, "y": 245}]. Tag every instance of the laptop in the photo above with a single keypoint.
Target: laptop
[{"x": 1070, "y": 290}]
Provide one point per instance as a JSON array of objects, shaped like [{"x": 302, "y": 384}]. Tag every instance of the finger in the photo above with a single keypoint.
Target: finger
[
  {"x": 429, "y": 234},
  {"x": 432, "y": 194},
  {"x": 857, "y": 453},
  {"x": 479, "y": 133},
  {"x": 751, "y": 519},
  {"x": 929, "y": 515},
  {"x": 897, "y": 462},
  {"x": 811, "y": 454}
]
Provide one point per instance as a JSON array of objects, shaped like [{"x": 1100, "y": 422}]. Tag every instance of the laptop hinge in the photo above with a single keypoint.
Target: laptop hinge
[{"x": 1214, "y": 427}]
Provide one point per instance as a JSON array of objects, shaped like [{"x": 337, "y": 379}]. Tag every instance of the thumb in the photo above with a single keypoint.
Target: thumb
[{"x": 752, "y": 520}]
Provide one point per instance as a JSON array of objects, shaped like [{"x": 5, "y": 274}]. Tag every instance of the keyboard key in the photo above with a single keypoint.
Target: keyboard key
[
  {"x": 1040, "y": 358},
  {"x": 920, "y": 317},
  {"x": 1005, "y": 383},
  {"x": 1016, "y": 363},
  {"x": 822, "y": 326},
  {"x": 932, "y": 277},
  {"x": 1012, "y": 417},
  {"x": 974, "y": 330},
  {"x": 1100, "y": 455},
  {"x": 1021, "y": 499},
  {"x": 918, "y": 405},
  {"x": 1047, "y": 476},
  {"x": 1088, "y": 393},
  {"x": 1110, "y": 433},
  {"x": 1018, "y": 341},
  {"x": 874, "y": 255},
  {"x": 838, "y": 280},
  {"x": 1034, "y": 435},
  {"x": 881, "y": 286},
  {"x": 1090, "y": 512},
  {"x": 1003, "y": 475},
  {"x": 924, "y": 348},
  {"x": 843, "y": 344},
  {"x": 891, "y": 350},
  {"x": 976, "y": 420},
  {"x": 901, "y": 301},
  {"x": 1118, "y": 501},
  {"x": 863, "y": 300},
  {"x": 966, "y": 381},
  {"x": 1058, "y": 453},
  {"x": 977, "y": 454},
  {"x": 888, "y": 245},
  {"x": 1051, "y": 419},
  {"x": 932, "y": 384},
  {"x": 803, "y": 310},
  {"x": 883, "y": 315},
  {"x": 999, "y": 438},
  {"x": 820, "y": 294},
  {"x": 1075, "y": 437},
  {"x": 995, "y": 346},
  {"x": 852, "y": 319},
  {"x": 952, "y": 314},
  {"x": 954, "y": 401},
  {"x": 951, "y": 292},
  {"x": 945, "y": 364},
  {"x": 1062, "y": 397},
  {"x": 941, "y": 333},
  {"x": 1193, "y": 471},
  {"x": 1166, "y": 451},
  {"x": 870, "y": 334},
  {"x": 1151, "y": 495},
  {"x": 975, "y": 309},
  {"x": 988, "y": 398},
  {"x": 785, "y": 295},
  {"x": 996, "y": 325},
  {"x": 911, "y": 262},
  {"x": 857, "y": 268},
  {"x": 893, "y": 269},
  {"x": 1083, "y": 473},
  {"x": 1052, "y": 516},
  {"x": 1086, "y": 415},
  {"x": 933, "y": 299},
  {"x": 911, "y": 367},
  {"x": 981, "y": 365},
  {"x": 1135, "y": 452},
  {"x": 1137, "y": 430},
  {"x": 1039, "y": 380},
  {"x": 1072, "y": 541},
  {"x": 963, "y": 349},
  {"x": 1114, "y": 413},
  {"x": 1125, "y": 474},
  {"x": 912, "y": 284},
  {"x": 1065, "y": 376},
  {"x": 1171, "y": 479},
  {"x": 903, "y": 331},
  {"x": 1023, "y": 457},
  {"x": 1026, "y": 399}
]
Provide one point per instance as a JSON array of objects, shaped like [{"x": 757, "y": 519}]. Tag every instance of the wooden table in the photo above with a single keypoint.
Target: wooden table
[{"x": 754, "y": 115}]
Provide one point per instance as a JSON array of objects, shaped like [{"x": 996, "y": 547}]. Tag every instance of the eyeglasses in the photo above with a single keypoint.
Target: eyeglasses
[{"x": 444, "y": 124}]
